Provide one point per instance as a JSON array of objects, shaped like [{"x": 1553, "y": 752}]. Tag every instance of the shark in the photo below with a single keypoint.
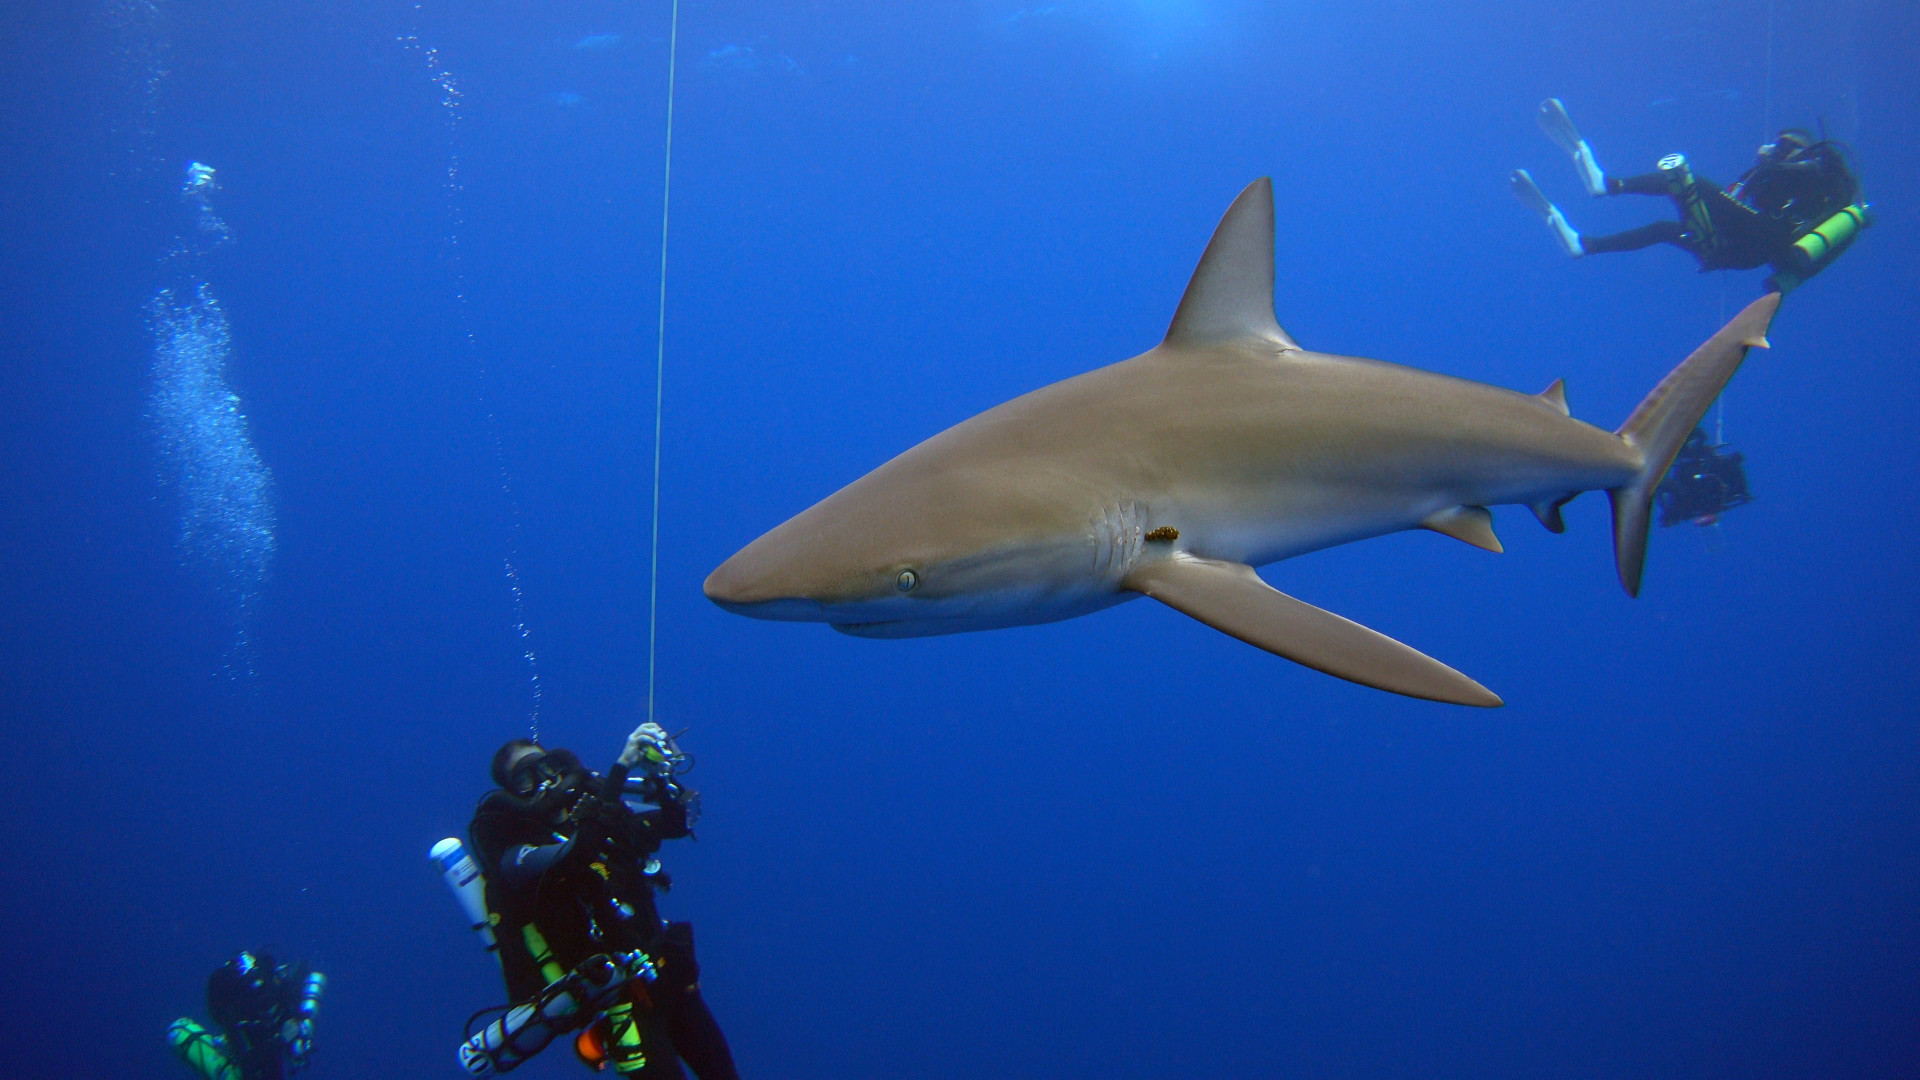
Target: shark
[{"x": 1225, "y": 447}]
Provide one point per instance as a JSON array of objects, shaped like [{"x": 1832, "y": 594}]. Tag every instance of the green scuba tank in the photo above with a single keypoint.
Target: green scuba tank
[
  {"x": 202, "y": 1049},
  {"x": 1823, "y": 243}
]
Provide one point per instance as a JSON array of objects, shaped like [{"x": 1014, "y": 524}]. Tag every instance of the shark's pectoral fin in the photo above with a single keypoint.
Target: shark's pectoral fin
[
  {"x": 1232, "y": 599},
  {"x": 1473, "y": 524}
]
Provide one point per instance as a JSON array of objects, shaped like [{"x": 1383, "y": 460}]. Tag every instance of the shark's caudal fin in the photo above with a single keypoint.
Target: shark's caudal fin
[
  {"x": 1230, "y": 297},
  {"x": 1663, "y": 420},
  {"x": 1232, "y": 599}
]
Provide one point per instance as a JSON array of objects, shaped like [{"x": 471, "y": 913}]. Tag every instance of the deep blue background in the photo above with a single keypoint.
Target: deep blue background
[{"x": 1124, "y": 846}]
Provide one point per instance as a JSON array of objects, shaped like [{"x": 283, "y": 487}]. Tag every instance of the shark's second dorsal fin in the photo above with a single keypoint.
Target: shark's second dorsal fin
[
  {"x": 1230, "y": 297},
  {"x": 1556, "y": 396}
]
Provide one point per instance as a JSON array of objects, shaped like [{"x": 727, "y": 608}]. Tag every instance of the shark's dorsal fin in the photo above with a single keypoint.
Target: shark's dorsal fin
[
  {"x": 1556, "y": 396},
  {"x": 1230, "y": 297}
]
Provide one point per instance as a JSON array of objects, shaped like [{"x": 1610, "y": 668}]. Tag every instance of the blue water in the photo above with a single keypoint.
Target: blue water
[{"x": 1123, "y": 846}]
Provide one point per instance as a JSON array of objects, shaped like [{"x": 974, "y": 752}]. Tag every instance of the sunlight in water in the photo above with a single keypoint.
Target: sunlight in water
[{"x": 1144, "y": 31}]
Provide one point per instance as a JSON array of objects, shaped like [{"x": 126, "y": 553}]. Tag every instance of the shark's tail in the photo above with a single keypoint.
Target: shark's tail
[{"x": 1666, "y": 416}]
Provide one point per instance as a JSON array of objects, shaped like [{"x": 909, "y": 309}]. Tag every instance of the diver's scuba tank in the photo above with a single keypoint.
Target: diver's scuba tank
[
  {"x": 463, "y": 876},
  {"x": 1819, "y": 246},
  {"x": 568, "y": 1003},
  {"x": 310, "y": 992},
  {"x": 300, "y": 1043},
  {"x": 202, "y": 1050}
]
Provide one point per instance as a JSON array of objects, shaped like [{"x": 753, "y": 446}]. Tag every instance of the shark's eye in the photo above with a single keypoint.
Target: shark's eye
[{"x": 906, "y": 581}]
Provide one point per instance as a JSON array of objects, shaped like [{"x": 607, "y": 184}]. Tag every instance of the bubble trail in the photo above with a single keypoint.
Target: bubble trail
[
  {"x": 224, "y": 489},
  {"x": 453, "y": 191}
]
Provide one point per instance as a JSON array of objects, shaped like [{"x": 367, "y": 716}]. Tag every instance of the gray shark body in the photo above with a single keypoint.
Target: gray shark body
[{"x": 1225, "y": 447}]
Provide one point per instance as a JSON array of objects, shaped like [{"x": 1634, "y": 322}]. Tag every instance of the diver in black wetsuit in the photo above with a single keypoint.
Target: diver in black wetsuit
[
  {"x": 570, "y": 886},
  {"x": 1797, "y": 208},
  {"x": 1707, "y": 480},
  {"x": 265, "y": 1014}
]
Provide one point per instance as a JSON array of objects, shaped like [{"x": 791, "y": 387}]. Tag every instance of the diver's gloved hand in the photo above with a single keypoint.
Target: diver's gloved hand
[
  {"x": 649, "y": 745},
  {"x": 598, "y": 827}
]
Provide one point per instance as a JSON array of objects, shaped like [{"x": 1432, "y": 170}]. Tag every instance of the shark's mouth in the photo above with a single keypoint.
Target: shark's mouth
[
  {"x": 790, "y": 609},
  {"x": 898, "y": 628}
]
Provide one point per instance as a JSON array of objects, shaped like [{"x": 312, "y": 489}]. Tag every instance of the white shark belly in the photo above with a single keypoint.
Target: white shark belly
[{"x": 1258, "y": 528}]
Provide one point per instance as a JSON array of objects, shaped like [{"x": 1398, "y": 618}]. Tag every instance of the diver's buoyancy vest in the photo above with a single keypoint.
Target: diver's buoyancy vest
[{"x": 1809, "y": 198}]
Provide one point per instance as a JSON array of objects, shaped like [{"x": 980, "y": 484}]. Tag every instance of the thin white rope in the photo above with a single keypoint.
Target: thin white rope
[
  {"x": 660, "y": 367},
  {"x": 1766, "y": 135},
  {"x": 1766, "y": 116}
]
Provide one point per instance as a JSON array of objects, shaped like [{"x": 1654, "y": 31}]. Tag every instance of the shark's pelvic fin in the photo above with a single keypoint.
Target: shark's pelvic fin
[
  {"x": 1556, "y": 396},
  {"x": 1473, "y": 524},
  {"x": 1231, "y": 598},
  {"x": 1230, "y": 297},
  {"x": 1666, "y": 417}
]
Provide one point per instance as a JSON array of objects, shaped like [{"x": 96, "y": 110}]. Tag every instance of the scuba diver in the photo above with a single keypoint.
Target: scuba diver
[
  {"x": 265, "y": 1014},
  {"x": 1706, "y": 480},
  {"x": 569, "y": 880},
  {"x": 1798, "y": 208}
]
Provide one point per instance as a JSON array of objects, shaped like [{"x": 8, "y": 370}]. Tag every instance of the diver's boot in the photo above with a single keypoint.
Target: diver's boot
[
  {"x": 1559, "y": 127},
  {"x": 1529, "y": 192}
]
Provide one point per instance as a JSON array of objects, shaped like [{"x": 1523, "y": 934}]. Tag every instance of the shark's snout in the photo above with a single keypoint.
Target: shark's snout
[{"x": 740, "y": 587}]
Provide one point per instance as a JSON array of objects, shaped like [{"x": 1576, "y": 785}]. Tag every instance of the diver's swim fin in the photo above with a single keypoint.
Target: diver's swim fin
[
  {"x": 1529, "y": 192},
  {"x": 1559, "y": 127}
]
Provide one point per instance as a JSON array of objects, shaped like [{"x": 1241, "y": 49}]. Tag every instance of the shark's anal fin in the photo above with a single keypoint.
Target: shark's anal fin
[
  {"x": 1473, "y": 524},
  {"x": 1548, "y": 511},
  {"x": 1232, "y": 599}
]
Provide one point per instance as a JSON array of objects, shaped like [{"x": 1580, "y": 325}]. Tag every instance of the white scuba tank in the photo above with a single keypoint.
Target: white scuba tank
[{"x": 463, "y": 876}]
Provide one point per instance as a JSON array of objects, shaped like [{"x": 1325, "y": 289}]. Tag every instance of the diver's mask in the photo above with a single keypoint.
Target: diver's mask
[
  {"x": 545, "y": 777},
  {"x": 1783, "y": 147}
]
